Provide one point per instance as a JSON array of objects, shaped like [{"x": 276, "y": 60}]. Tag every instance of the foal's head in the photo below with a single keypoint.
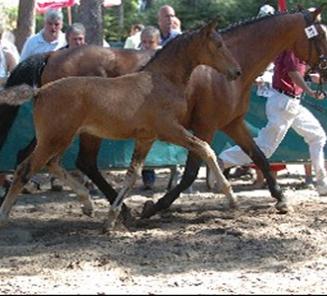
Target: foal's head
[
  {"x": 215, "y": 53},
  {"x": 311, "y": 46}
]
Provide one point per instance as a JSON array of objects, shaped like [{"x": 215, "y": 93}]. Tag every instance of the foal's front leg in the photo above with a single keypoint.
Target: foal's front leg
[{"x": 141, "y": 150}]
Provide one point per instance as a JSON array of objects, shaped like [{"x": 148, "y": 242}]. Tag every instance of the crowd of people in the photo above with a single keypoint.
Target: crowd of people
[{"x": 282, "y": 84}]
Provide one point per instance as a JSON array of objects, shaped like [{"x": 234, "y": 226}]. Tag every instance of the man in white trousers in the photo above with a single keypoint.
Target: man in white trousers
[{"x": 284, "y": 111}]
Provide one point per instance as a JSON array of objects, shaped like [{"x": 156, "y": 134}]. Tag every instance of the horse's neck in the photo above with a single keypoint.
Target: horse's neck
[{"x": 256, "y": 45}]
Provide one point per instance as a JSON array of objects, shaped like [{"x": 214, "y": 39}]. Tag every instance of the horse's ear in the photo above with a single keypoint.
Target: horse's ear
[{"x": 318, "y": 10}]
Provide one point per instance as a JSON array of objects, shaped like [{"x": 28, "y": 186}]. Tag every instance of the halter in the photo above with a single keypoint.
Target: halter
[{"x": 321, "y": 66}]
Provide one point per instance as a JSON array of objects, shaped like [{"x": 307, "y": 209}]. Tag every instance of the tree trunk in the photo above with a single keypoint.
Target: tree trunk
[
  {"x": 25, "y": 22},
  {"x": 90, "y": 15}
]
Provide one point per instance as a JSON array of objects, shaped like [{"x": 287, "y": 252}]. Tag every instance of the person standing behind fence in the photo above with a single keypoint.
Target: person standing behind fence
[
  {"x": 166, "y": 19},
  {"x": 134, "y": 39},
  {"x": 50, "y": 38},
  {"x": 8, "y": 62},
  {"x": 75, "y": 35}
]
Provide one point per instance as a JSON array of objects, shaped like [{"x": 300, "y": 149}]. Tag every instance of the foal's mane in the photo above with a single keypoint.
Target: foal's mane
[{"x": 173, "y": 46}]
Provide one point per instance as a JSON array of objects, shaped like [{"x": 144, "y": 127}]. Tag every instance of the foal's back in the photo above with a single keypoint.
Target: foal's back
[{"x": 116, "y": 108}]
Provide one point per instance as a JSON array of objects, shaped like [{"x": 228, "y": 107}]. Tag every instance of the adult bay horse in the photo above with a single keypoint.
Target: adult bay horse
[
  {"x": 222, "y": 105},
  {"x": 146, "y": 106}
]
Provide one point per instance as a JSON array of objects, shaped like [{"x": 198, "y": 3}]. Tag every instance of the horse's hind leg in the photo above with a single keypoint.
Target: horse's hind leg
[
  {"x": 87, "y": 163},
  {"x": 64, "y": 176},
  {"x": 29, "y": 167},
  {"x": 26, "y": 151},
  {"x": 240, "y": 134},
  {"x": 141, "y": 150}
]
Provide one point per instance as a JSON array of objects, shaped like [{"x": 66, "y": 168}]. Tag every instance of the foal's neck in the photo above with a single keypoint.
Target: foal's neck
[{"x": 175, "y": 63}]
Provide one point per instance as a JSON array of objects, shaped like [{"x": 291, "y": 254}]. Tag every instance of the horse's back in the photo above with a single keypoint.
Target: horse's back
[{"x": 94, "y": 60}]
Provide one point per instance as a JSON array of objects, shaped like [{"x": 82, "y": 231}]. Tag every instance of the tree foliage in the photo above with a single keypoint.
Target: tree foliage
[{"x": 118, "y": 20}]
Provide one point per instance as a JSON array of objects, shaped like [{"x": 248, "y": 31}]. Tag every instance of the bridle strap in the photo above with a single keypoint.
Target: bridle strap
[{"x": 322, "y": 63}]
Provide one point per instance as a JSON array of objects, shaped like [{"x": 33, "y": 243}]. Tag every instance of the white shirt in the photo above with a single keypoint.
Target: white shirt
[
  {"x": 3, "y": 64},
  {"x": 37, "y": 44}
]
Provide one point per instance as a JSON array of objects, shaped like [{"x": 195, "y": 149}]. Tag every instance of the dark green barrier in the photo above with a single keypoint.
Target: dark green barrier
[{"x": 118, "y": 153}]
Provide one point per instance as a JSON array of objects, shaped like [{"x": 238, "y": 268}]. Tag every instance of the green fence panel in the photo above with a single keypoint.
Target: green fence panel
[{"x": 118, "y": 154}]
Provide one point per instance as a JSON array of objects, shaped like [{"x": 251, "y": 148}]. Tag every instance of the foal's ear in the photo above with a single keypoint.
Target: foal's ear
[{"x": 211, "y": 26}]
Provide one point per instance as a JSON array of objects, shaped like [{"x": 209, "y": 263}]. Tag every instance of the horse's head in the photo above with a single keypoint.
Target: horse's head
[
  {"x": 216, "y": 54},
  {"x": 312, "y": 46}
]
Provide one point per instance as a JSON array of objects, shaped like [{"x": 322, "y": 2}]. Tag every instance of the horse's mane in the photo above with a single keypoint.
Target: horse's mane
[{"x": 252, "y": 20}]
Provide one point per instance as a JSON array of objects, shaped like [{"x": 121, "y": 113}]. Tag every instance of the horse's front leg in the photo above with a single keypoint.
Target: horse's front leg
[
  {"x": 241, "y": 135},
  {"x": 87, "y": 163},
  {"x": 192, "y": 166},
  {"x": 141, "y": 150},
  {"x": 190, "y": 173}
]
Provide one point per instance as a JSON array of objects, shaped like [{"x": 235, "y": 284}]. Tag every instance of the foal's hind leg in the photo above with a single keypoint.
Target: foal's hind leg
[
  {"x": 141, "y": 150},
  {"x": 29, "y": 167},
  {"x": 26, "y": 151},
  {"x": 65, "y": 177},
  {"x": 240, "y": 134},
  {"x": 87, "y": 163}
]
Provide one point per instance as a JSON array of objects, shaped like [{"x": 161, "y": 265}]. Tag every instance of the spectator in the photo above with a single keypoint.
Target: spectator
[
  {"x": 150, "y": 38},
  {"x": 8, "y": 62},
  {"x": 177, "y": 25},
  {"x": 50, "y": 38},
  {"x": 166, "y": 19},
  {"x": 134, "y": 39},
  {"x": 75, "y": 35}
]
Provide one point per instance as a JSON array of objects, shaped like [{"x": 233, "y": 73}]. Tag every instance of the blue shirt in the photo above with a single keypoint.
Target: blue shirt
[
  {"x": 37, "y": 44},
  {"x": 170, "y": 36}
]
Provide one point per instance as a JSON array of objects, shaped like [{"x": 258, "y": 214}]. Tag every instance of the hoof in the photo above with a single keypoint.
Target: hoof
[
  {"x": 148, "y": 209},
  {"x": 231, "y": 204},
  {"x": 282, "y": 207},
  {"x": 3, "y": 220},
  {"x": 112, "y": 219},
  {"x": 126, "y": 217},
  {"x": 88, "y": 211}
]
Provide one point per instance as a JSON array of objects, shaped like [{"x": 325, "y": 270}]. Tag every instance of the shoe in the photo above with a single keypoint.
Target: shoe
[
  {"x": 31, "y": 187},
  {"x": 321, "y": 186},
  {"x": 56, "y": 185},
  {"x": 2, "y": 191}
]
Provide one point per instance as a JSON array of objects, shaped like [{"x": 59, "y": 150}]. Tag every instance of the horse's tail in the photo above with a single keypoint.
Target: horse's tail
[
  {"x": 29, "y": 72},
  {"x": 17, "y": 95}
]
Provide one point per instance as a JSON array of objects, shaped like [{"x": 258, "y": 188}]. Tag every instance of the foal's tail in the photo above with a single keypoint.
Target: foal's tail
[
  {"x": 17, "y": 95},
  {"x": 29, "y": 72}
]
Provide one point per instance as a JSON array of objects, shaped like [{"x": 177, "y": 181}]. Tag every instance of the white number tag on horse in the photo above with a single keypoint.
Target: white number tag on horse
[{"x": 311, "y": 31}]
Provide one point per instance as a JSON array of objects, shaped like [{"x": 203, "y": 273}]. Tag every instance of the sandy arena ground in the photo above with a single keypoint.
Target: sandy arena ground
[{"x": 196, "y": 247}]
